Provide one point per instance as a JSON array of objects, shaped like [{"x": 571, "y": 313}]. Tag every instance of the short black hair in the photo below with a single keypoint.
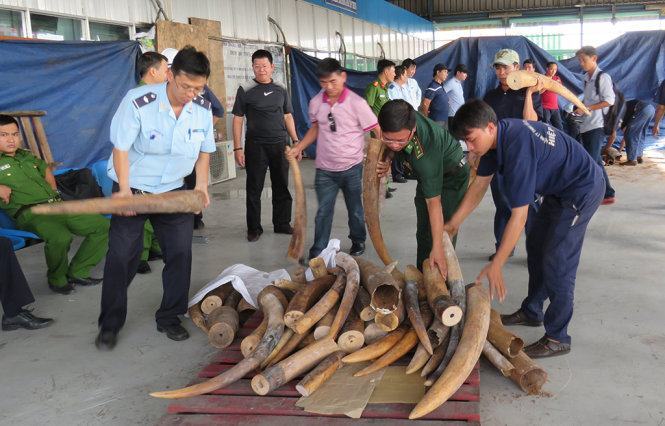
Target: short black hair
[
  {"x": 191, "y": 61},
  {"x": 461, "y": 68},
  {"x": 397, "y": 115},
  {"x": 587, "y": 50},
  {"x": 149, "y": 60},
  {"x": 383, "y": 64},
  {"x": 399, "y": 71},
  {"x": 437, "y": 68},
  {"x": 408, "y": 63},
  {"x": 328, "y": 66},
  {"x": 475, "y": 114},
  {"x": 262, "y": 53},
  {"x": 7, "y": 119},
  {"x": 550, "y": 63},
  {"x": 528, "y": 61}
]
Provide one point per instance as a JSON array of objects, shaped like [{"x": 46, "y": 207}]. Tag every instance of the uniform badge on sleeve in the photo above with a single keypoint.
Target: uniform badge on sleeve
[
  {"x": 144, "y": 100},
  {"x": 202, "y": 102},
  {"x": 418, "y": 149}
]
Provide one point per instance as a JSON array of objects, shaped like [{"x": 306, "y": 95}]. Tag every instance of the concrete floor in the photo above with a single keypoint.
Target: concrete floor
[{"x": 614, "y": 374}]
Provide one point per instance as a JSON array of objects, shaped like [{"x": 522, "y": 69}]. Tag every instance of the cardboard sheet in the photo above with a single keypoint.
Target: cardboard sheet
[
  {"x": 343, "y": 393},
  {"x": 398, "y": 387}
]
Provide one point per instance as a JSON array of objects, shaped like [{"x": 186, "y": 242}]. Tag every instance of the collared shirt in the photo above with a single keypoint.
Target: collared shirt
[
  {"x": 591, "y": 97},
  {"x": 376, "y": 95},
  {"x": 510, "y": 104},
  {"x": 162, "y": 149},
  {"x": 435, "y": 156},
  {"x": 396, "y": 91},
  {"x": 660, "y": 95},
  {"x": 551, "y": 99},
  {"x": 25, "y": 174},
  {"x": 415, "y": 91},
  {"x": 438, "y": 107},
  {"x": 342, "y": 149},
  {"x": 536, "y": 158},
  {"x": 264, "y": 106},
  {"x": 455, "y": 91}
]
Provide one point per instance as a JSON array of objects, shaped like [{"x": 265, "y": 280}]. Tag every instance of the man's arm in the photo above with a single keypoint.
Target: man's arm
[
  {"x": 238, "y": 123},
  {"x": 437, "y": 257},
  {"x": 307, "y": 140},
  {"x": 50, "y": 179},
  {"x": 202, "y": 170},
  {"x": 660, "y": 112},
  {"x": 511, "y": 234},
  {"x": 5, "y": 194},
  {"x": 291, "y": 127},
  {"x": 424, "y": 106},
  {"x": 474, "y": 194},
  {"x": 529, "y": 111},
  {"x": 121, "y": 167}
]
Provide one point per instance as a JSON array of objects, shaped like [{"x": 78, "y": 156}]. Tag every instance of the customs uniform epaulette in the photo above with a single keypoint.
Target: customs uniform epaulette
[
  {"x": 202, "y": 102},
  {"x": 144, "y": 99}
]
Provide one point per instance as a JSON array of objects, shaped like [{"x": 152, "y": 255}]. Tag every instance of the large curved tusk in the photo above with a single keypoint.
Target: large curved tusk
[
  {"x": 297, "y": 244},
  {"x": 520, "y": 79},
  {"x": 272, "y": 303},
  {"x": 467, "y": 354},
  {"x": 350, "y": 267},
  {"x": 371, "y": 191}
]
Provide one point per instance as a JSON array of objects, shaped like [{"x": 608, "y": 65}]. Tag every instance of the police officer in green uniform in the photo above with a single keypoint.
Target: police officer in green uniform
[
  {"x": 376, "y": 93},
  {"x": 30, "y": 182},
  {"x": 442, "y": 172},
  {"x": 160, "y": 133}
]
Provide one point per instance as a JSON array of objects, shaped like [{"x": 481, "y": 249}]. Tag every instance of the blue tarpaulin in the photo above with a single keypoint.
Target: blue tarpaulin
[
  {"x": 78, "y": 84},
  {"x": 636, "y": 61}
]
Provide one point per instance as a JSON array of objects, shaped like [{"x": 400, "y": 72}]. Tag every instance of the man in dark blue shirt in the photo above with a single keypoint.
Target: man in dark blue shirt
[
  {"x": 435, "y": 98},
  {"x": 508, "y": 103},
  {"x": 660, "y": 108},
  {"x": 534, "y": 159}
]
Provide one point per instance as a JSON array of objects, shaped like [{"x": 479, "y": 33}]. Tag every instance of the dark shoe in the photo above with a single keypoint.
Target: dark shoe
[
  {"x": 106, "y": 340},
  {"x": 357, "y": 249},
  {"x": 608, "y": 200},
  {"x": 144, "y": 267},
  {"x": 61, "y": 289},
  {"x": 85, "y": 282},
  {"x": 389, "y": 194},
  {"x": 629, "y": 163},
  {"x": 491, "y": 258},
  {"x": 174, "y": 332},
  {"x": 26, "y": 320},
  {"x": 519, "y": 318},
  {"x": 253, "y": 236},
  {"x": 288, "y": 229},
  {"x": 153, "y": 255},
  {"x": 392, "y": 189},
  {"x": 546, "y": 347},
  {"x": 639, "y": 160},
  {"x": 399, "y": 179},
  {"x": 198, "y": 224}
]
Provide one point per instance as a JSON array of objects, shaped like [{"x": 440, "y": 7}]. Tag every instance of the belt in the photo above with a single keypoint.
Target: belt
[{"x": 22, "y": 209}]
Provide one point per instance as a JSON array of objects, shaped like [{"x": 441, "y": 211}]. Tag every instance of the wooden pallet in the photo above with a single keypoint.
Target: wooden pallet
[{"x": 239, "y": 405}]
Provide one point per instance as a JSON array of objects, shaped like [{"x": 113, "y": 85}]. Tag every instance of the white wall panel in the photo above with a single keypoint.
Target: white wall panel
[
  {"x": 347, "y": 32},
  {"x": 289, "y": 22},
  {"x": 334, "y": 25},
  {"x": 261, "y": 12},
  {"x": 321, "y": 27},
  {"x": 359, "y": 37},
  {"x": 306, "y": 25}
]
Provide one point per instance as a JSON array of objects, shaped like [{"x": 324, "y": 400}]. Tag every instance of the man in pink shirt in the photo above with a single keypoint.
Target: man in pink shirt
[
  {"x": 340, "y": 119},
  {"x": 550, "y": 101}
]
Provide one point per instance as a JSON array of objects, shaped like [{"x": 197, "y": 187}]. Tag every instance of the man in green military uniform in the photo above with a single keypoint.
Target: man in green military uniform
[
  {"x": 25, "y": 181},
  {"x": 376, "y": 93},
  {"x": 439, "y": 163}
]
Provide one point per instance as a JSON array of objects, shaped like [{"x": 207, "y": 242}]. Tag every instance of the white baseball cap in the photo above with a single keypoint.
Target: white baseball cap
[{"x": 170, "y": 53}]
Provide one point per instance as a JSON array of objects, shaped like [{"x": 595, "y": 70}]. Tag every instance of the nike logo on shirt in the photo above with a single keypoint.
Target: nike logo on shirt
[{"x": 266, "y": 93}]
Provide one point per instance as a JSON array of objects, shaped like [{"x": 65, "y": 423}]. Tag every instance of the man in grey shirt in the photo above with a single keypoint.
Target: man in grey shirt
[
  {"x": 455, "y": 91},
  {"x": 598, "y": 97}
]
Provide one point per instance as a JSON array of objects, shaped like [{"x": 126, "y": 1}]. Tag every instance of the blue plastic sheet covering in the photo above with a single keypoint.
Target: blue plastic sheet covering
[
  {"x": 78, "y": 84},
  {"x": 636, "y": 61}
]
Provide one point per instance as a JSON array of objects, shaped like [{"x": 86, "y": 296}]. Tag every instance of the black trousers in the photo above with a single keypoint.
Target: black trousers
[
  {"x": 259, "y": 158},
  {"x": 14, "y": 290},
  {"x": 174, "y": 233}
]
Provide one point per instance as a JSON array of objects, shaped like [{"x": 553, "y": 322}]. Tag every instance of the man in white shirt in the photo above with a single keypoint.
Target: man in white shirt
[
  {"x": 455, "y": 90},
  {"x": 417, "y": 94},
  {"x": 399, "y": 88}
]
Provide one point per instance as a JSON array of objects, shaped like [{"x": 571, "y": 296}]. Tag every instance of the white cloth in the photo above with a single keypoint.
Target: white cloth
[
  {"x": 328, "y": 256},
  {"x": 246, "y": 280},
  {"x": 591, "y": 97}
]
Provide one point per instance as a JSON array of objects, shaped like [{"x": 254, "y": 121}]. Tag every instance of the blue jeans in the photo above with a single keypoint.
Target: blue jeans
[
  {"x": 637, "y": 130},
  {"x": 593, "y": 142},
  {"x": 327, "y": 185}
]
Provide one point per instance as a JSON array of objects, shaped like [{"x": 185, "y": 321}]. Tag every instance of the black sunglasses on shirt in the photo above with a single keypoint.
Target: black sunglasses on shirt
[{"x": 331, "y": 122}]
